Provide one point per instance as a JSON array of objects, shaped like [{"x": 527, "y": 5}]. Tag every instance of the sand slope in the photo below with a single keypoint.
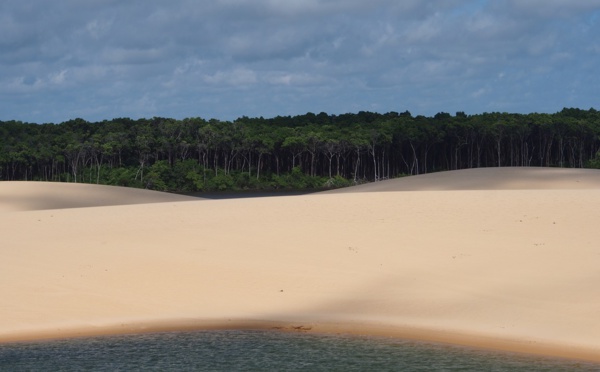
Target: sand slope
[
  {"x": 514, "y": 269},
  {"x": 504, "y": 178},
  {"x": 21, "y": 195}
]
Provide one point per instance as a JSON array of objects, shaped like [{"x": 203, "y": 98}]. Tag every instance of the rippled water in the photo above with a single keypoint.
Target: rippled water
[{"x": 263, "y": 351}]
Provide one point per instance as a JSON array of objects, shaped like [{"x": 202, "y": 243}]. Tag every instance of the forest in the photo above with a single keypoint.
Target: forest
[{"x": 310, "y": 151}]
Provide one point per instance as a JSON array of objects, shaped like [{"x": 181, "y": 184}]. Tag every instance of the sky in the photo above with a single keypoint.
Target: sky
[{"x": 223, "y": 59}]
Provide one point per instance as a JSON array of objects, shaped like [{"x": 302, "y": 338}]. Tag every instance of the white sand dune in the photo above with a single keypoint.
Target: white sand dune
[
  {"x": 22, "y": 195},
  {"x": 525, "y": 178},
  {"x": 506, "y": 269}
]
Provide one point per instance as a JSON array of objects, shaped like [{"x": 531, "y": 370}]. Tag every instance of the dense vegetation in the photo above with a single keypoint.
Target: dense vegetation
[{"x": 305, "y": 151}]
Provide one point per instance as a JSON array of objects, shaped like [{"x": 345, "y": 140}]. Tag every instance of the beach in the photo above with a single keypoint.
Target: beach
[{"x": 500, "y": 258}]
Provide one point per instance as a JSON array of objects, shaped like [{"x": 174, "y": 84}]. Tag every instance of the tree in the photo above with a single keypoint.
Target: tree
[{"x": 287, "y": 151}]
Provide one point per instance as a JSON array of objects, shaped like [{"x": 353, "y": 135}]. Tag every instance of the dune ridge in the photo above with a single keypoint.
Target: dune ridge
[{"x": 512, "y": 269}]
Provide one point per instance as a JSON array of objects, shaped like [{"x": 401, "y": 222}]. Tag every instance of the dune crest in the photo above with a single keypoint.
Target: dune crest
[{"x": 509, "y": 269}]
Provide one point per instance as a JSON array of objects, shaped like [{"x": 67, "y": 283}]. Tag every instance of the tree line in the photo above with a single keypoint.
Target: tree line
[{"x": 291, "y": 152}]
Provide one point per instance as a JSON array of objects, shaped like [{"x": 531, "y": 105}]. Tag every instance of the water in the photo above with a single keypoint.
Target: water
[
  {"x": 248, "y": 194},
  {"x": 263, "y": 351}
]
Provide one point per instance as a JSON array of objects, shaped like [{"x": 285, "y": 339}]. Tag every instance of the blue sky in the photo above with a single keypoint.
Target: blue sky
[{"x": 101, "y": 59}]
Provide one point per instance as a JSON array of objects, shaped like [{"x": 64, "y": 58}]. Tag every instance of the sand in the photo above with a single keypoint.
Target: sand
[
  {"x": 497, "y": 258},
  {"x": 21, "y": 195}
]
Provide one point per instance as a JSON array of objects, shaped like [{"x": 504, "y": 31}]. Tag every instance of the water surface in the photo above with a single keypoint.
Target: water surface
[{"x": 264, "y": 351}]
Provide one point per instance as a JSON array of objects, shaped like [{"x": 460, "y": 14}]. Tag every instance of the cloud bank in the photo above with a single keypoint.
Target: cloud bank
[{"x": 223, "y": 59}]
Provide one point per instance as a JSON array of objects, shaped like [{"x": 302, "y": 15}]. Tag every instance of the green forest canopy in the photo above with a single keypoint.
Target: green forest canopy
[{"x": 291, "y": 152}]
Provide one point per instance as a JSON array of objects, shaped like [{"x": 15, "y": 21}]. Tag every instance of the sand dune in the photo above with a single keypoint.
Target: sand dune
[
  {"x": 524, "y": 178},
  {"x": 23, "y": 195},
  {"x": 500, "y": 268}
]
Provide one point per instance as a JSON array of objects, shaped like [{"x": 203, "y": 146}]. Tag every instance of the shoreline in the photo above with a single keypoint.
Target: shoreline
[{"x": 360, "y": 329}]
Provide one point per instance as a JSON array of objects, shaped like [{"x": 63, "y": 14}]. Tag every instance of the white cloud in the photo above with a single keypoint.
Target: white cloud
[
  {"x": 237, "y": 77},
  {"x": 295, "y": 79},
  {"x": 98, "y": 28},
  {"x": 480, "y": 92},
  {"x": 58, "y": 78}
]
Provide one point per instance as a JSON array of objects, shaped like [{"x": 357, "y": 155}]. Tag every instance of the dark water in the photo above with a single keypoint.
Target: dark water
[
  {"x": 263, "y": 351},
  {"x": 248, "y": 194}
]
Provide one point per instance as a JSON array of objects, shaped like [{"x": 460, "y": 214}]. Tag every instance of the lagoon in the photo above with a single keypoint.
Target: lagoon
[{"x": 248, "y": 350}]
